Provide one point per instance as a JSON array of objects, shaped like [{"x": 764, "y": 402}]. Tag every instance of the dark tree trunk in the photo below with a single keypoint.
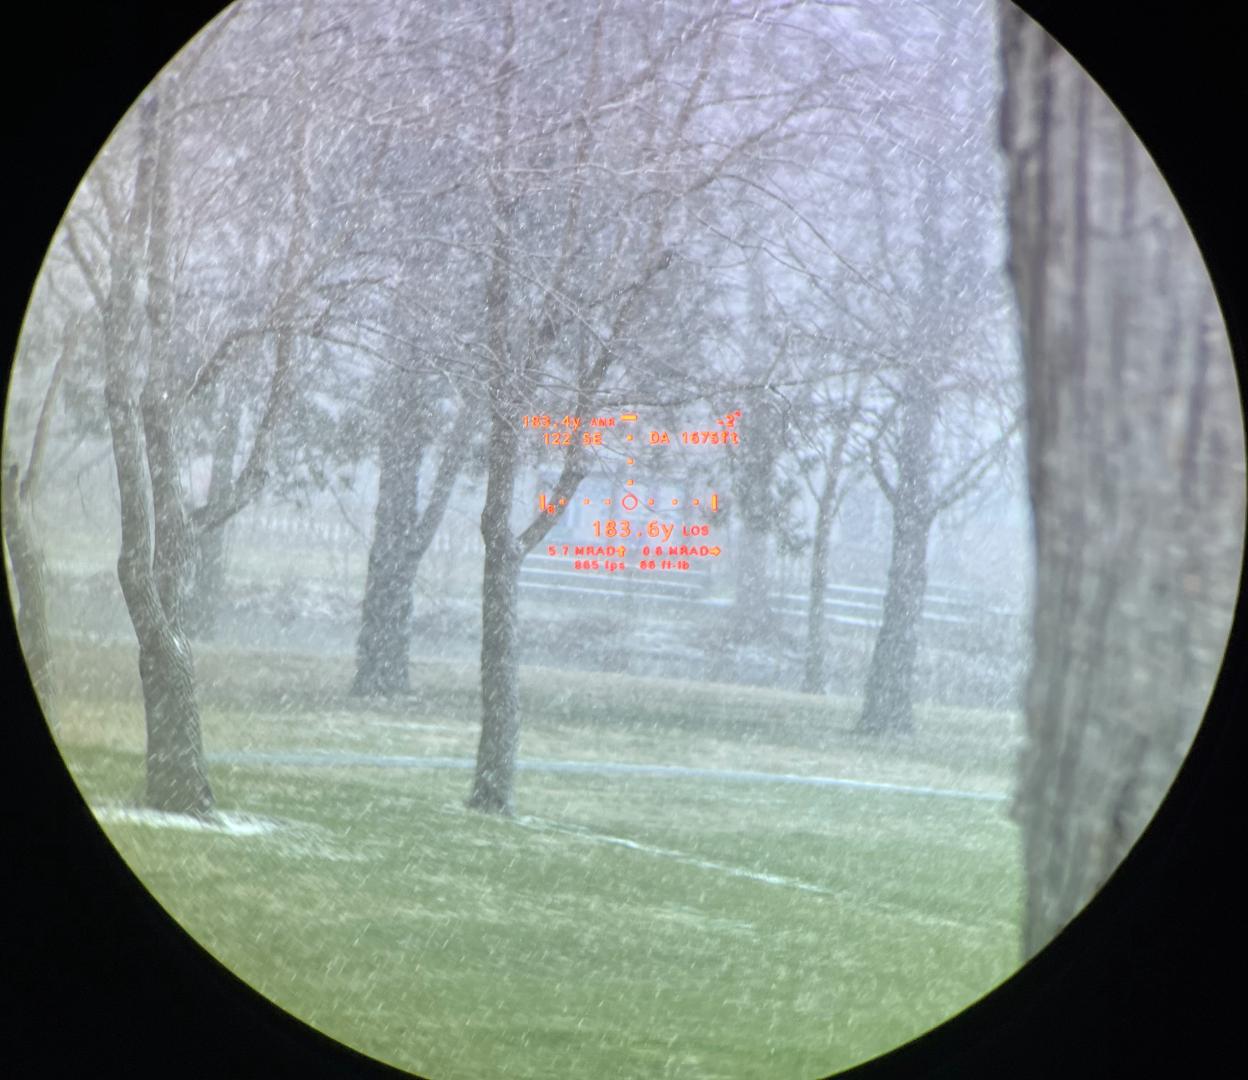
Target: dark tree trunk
[
  {"x": 755, "y": 461},
  {"x": 177, "y": 779},
  {"x": 494, "y": 782},
  {"x": 753, "y": 590},
  {"x": 383, "y": 646},
  {"x": 153, "y": 566},
  {"x": 28, "y": 577},
  {"x": 176, "y": 774},
  {"x": 493, "y": 786},
  {"x": 208, "y": 585},
  {"x": 1136, "y": 457},
  {"x": 401, "y": 536},
  {"x": 888, "y": 701}
]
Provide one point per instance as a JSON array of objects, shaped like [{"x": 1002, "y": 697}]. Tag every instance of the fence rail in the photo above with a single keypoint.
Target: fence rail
[
  {"x": 544, "y": 579},
  {"x": 281, "y": 525}
]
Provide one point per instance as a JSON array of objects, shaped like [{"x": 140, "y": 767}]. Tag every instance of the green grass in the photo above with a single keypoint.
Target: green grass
[
  {"x": 283, "y": 700},
  {"x": 621, "y": 926}
]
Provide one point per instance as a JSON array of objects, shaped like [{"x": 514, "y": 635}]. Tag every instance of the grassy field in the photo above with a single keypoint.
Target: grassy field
[{"x": 621, "y": 925}]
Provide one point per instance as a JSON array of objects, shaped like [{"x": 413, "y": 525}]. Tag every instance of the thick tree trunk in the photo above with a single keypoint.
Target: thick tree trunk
[
  {"x": 494, "y": 782},
  {"x": 1136, "y": 474},
  {"x": 153, "y": 566},
  {"x": 177, "y": 779},
  {"x": 208, "y": 588},
  {"x": 888, "y": 700},
  {"x": 754, "y": 614},
  {"x": 493, "y": 788},
  {"x": 754, "y": 507},
  {"x": 26, "y": 564},
  {"x": 383, "y": 646},
  {"x": 176, "y": 771},
  {"x": 208, "y": 585}
]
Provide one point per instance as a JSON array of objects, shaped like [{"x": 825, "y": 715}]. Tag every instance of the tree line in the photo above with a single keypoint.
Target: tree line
[{"x": 389, "y": 234}]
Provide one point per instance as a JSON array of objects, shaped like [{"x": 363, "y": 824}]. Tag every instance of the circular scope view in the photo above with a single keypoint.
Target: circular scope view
[{"x": 623, "y": 538}]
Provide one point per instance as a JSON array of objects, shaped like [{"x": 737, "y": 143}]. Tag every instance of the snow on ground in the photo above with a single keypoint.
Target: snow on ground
[
  {"x": 305, "y": 758},
  {"x": 231, "y": 824},
  {"x": 296, "y": 839},
  {"x": 884, "y": 907}
]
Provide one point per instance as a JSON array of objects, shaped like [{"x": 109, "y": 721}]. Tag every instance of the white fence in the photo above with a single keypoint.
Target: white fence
[
  {"x": 306, "y": 531},
  {"x": 953, "y": 613}
]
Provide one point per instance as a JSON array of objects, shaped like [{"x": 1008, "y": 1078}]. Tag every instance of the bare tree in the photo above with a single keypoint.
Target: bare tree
[
  {"x": 653, "y": 107},
  {"x": 429, "y": 400},
  {"x": 1136, "y": 472},
  {"x": 149, "y": 253},
  {"x": 767, "y": 419},
  {"x": 946, "y": 407},
  {"x": 926, "y": 478},
  {"x": 403, "y": 526},
  {"x": 827, "y": 455},
  {"x": 276, "y": 275},
  {"x": 155, "y": 541}
]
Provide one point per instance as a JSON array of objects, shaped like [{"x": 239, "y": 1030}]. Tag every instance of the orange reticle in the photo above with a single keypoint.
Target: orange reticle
[{"x": 558, "y": 432}]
